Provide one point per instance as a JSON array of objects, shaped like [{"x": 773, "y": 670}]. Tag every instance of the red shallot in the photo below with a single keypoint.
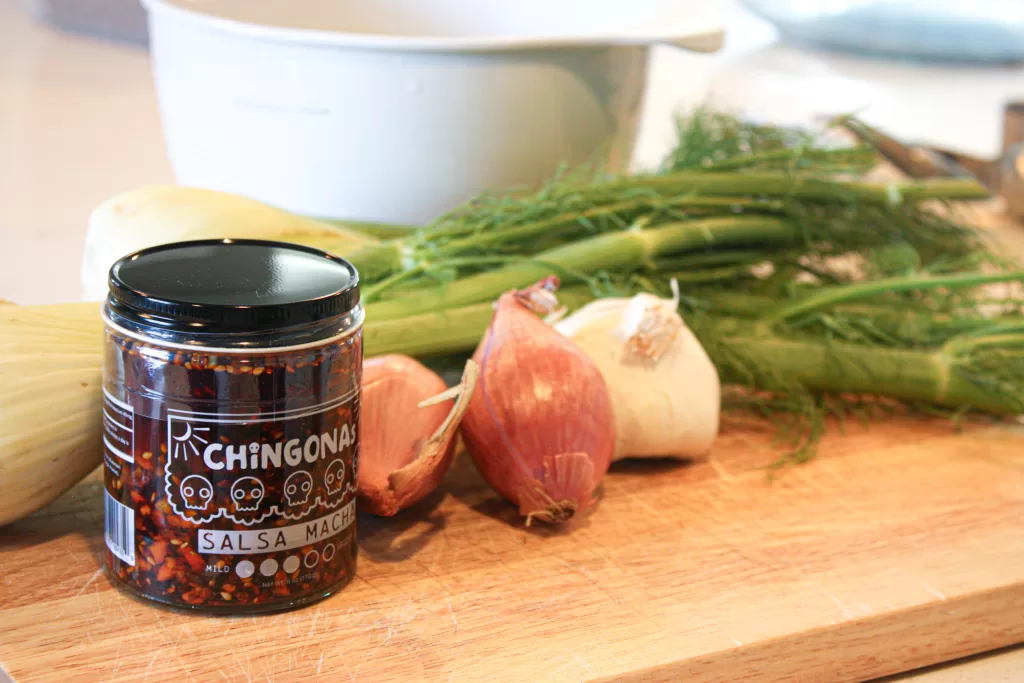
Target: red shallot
[
  {"x": 408, "y": 432},
  {"x": 540, "y": 426}
]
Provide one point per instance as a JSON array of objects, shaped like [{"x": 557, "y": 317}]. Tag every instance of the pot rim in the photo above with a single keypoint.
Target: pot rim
[{"x": 686, "y": 29}]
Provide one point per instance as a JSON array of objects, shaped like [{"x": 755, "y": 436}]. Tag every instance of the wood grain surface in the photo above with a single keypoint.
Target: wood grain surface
[{"x": 899, "y": 547}]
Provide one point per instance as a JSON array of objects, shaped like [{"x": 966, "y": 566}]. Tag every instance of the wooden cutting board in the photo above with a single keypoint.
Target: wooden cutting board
[{"x": 900, "y": 546}]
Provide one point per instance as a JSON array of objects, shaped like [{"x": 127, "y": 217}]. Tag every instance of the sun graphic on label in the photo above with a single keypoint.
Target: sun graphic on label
[{"x": 190, "y": 439}]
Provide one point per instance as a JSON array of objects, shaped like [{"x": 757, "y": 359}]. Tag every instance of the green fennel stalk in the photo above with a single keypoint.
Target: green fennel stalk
[
  {"x": 759, "y": 229},
  {"x": 565, "y": 213},
  {"x": 979, "y": 366},
  {"x": 976, "y": 377},
  {"x": 633, "y": 249}
]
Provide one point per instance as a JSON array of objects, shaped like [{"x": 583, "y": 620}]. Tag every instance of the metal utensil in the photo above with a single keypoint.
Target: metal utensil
[
  {"x": 1003, "y": 176},
  {"x": 916, "y": 161}
]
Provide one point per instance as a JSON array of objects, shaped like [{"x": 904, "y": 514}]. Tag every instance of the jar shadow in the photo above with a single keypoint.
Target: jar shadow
[{"x": 398, "y": 538}]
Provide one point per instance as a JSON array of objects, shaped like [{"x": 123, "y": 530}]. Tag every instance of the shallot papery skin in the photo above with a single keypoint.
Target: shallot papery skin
[
  {"x": 404, "y": 449},
  {"x": 540, "y": 426}
]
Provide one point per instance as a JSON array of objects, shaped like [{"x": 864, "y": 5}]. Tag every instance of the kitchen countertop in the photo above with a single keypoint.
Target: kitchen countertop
[{"x": 79, "y": 122}]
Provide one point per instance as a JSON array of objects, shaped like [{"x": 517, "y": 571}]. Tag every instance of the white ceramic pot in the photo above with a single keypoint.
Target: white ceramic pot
[{"x": 398, "y": 110}]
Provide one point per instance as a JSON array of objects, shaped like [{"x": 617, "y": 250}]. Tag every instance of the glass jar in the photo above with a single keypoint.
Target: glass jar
[{"x": 231, "y": 404}]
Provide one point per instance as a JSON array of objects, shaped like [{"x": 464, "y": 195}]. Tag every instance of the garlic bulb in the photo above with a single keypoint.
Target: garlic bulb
[
  {"x": 161, "y": 214},
  {"x": 665, "y": 390}
]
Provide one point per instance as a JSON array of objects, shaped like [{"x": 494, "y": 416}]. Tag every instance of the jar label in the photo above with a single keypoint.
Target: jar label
[
  {"x": 231, "y": 508},
  {"x": 278, "y": 538},
  {"x": 118, "y": 428},
  {"x": 247, "y": 468}
]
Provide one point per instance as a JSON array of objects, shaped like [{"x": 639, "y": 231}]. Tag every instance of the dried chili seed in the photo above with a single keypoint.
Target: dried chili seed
[{"x": 217, "y": 494}]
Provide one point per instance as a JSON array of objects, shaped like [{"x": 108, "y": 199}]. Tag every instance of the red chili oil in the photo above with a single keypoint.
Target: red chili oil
[{"x": 231, "y": 404}]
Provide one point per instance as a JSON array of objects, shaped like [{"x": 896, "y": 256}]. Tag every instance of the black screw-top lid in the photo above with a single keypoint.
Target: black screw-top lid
[{"x": 232, "y": 286}]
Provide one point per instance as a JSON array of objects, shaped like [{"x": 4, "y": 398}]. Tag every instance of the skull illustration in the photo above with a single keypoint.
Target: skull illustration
[
  {"x": 334, "y": 477},
  {"x": 196, "y": 491},
  {"x": 247, "y": 492},
  {"x": 297, "y": 488}
]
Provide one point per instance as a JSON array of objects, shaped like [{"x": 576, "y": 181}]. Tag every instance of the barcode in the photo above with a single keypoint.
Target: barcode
[{"x": 119, "y": 528}]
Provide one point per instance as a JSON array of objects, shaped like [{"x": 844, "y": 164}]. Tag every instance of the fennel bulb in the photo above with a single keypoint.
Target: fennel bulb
[
  {"x": 161, "y": 214},
  {"x": 50, "y": 426}
]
